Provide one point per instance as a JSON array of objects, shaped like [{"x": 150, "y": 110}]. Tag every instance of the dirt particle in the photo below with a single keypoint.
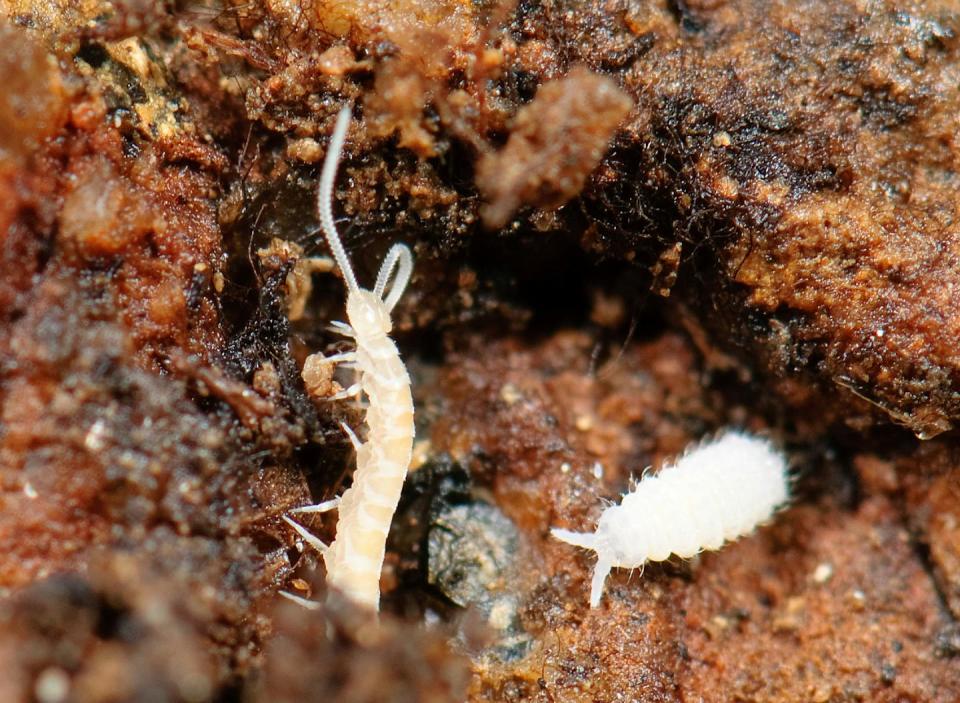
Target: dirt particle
[
  {"x": 32, "y": 105},
  {"x": 307, "y": 150},
  {"x": 823, "y": 573},
  {"x": 555, "y": 143},
  {"x": 510, "y": 394},
  {"x": 52, "y": 685},
  {"x": 103, "y": 215}
]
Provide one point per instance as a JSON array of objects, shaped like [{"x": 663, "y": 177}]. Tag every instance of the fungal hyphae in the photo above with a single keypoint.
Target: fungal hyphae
[
  {"x": 716, "y": 492},
  {"x": 355, "y": 557}
]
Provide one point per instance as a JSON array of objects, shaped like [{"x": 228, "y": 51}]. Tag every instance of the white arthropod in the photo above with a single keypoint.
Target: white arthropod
[
  {"x": 716, "y": 492},
  {"x": 355, "y": 557}
]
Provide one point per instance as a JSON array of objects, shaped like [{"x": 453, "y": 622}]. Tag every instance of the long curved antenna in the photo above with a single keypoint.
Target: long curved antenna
[
  {"x": 400, "y": 259},
  {"x": 325, "y": 198}
]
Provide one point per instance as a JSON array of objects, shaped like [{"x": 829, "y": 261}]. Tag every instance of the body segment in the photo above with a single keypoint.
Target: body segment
[{"x": 355, "y": 557}]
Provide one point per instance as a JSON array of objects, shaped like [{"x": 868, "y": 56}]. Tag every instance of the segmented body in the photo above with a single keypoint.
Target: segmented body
[
  {"x": 715, "y": 493},
  {"x": 355, "y": 558}
]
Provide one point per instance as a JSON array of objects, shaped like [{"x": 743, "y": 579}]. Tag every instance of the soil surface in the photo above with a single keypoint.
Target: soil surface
[{"x": 635, "y": 223}]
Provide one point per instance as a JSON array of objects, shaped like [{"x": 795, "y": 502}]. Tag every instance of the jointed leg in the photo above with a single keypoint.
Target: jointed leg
[
  {"x": 342, "y": 358},
  {"x": 342, "y": 328},
  {"x": 351, "y": 392},
  {"x": 299, "y": 600},
  {"x": 354, "y": 440},
  {"x": 308, "y": 536},
  {"x": 323, "y": 507}
]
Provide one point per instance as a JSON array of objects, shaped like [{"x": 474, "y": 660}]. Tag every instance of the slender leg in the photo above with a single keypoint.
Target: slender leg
[
  {"x": 342, "y": 328},
  {"x": 299, "y": 600},
  {"x": 600, "y": 572},
  {"x": 354, "y": 440},
  {"x": 344, "y": 357},
  {"x": 351, "y": 392},
  {"x": 308, "y": 536},
  {"x": 323, "y": 507}
]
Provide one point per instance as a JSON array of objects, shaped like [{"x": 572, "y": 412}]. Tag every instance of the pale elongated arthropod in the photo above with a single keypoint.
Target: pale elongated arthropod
[
  {"x": 716, "y": 492},
  {"x": 355, "y": 557}
]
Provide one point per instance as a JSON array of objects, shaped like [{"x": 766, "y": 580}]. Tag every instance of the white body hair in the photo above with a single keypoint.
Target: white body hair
[
  {"x": 716, "y": 492},
  {"x": 355, "y": 557}
]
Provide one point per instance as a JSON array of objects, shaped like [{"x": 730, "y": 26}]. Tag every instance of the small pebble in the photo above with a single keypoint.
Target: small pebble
[
  {"x": 584, "y": 423},
  {"x": 598, "y": 470},
  {"x": 823, "y": 573},
  {"x": 52, "y": 686},
  {"x": 859, "y": 599},
  {"x": 509, "y": 394}
]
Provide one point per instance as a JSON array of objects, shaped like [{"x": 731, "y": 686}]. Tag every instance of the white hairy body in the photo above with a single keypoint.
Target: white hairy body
[
  {"x": 716, "y": 492},
  {"x": 355, "y": 558}
]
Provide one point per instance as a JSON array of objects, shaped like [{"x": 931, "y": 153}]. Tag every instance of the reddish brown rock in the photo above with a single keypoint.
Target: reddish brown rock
[{"x": 786, "y": 175}]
